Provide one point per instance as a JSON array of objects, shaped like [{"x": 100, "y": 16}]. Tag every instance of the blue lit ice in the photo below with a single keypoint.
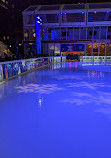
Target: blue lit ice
[{"x": 61, "y": 111}]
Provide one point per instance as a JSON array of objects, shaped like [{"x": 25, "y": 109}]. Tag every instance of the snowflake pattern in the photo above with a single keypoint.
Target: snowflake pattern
[
  {"x": 42, "y": 89},
  {"x": 87, "y": 98},
  {"x": 77, "y": 98},
  {"x": 92, "y": 86}
]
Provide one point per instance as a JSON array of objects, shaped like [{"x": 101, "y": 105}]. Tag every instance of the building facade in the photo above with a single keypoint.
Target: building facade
[{"x": 83, "y": 29}]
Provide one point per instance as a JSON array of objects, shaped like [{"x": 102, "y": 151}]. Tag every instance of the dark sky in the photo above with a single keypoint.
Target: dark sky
[
  {"x": 25, "y": 3},
  {"x": 66, "y": 1}
]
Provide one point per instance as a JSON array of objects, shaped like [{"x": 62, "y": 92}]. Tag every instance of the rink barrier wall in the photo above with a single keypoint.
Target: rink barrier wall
[
  {"x": 95, "y": 58},
  {"x": 12, "y": 69}
]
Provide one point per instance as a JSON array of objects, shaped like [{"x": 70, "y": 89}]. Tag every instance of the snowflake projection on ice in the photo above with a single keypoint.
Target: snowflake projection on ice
[
  {"x": 68, "y": 77},
  {"x": 42, "y": 89},
  {"x": 92, "y": 86},
  {"x": 105, "y": 110},
  {"x": 81, "y": 94},
  {"x": 88, "y": 98}
]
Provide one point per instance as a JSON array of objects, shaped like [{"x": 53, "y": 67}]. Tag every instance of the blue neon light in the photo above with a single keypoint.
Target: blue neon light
[
  {"x": 53, "y": 34},
  {"x": 38, "y": 36}
]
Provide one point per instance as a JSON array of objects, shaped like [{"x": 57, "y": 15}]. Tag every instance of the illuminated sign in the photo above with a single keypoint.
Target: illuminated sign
[{"x": 72, "y": 47}]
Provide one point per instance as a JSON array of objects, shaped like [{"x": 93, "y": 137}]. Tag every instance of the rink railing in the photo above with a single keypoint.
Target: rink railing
[
  {"x": 12, "y": 69},
  {"x": 95, "y": 58}
]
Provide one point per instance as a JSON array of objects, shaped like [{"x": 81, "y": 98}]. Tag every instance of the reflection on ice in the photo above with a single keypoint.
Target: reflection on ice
[
  {"x": 63, "y": 77},
  {"x": 82, "y": 94},
  {"x": 81, "y": 85},
  {"x": 40, "y": 101},
  {"x": 95, "y": 74},
  {"x": 76, "y": 102},
  {"x": 105, "y": 110}
]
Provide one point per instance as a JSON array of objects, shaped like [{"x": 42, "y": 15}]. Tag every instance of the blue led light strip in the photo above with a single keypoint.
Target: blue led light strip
[{"x": 38, "y": 35}]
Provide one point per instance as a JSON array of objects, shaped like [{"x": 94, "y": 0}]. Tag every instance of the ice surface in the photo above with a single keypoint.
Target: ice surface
[{"x": 61, "y": 111}]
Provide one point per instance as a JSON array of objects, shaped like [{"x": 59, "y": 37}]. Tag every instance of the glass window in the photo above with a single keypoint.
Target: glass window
[
  {"x": 76, "y": 33},
  {"x": 102, "y": 49},
  {"x": 63, "y": 33},
  {"x": 89, "y": 49},
  {"x": 97, "y": 16},
  {"x": 109, "y": 17},
  {"x": 70, "y": 33},
  {"x": 89, "y": 33},
  {"x": 103, "y": 32},
  {"x": 108, "y": 49},
  {"x": 32, "y": 35},
  {"x": 44, "y": 34},
  {"x": 49, "y": 34},
  {"x": 29, "y": 19},
  {"x": 26, "y": 34},
  {"x": 73, "y": 17},
  {"x": 29, "y": 34},
  {"x": 109, "y": 32},
  {"x": 95, "y": 49},
  {"x": 44, "y": 48},
  {"x": 49, "y": 18},
  {"x": 54, "y": 34},
  {"x": 96, "y": 32},
  {"x": 83, "y": 33}
]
